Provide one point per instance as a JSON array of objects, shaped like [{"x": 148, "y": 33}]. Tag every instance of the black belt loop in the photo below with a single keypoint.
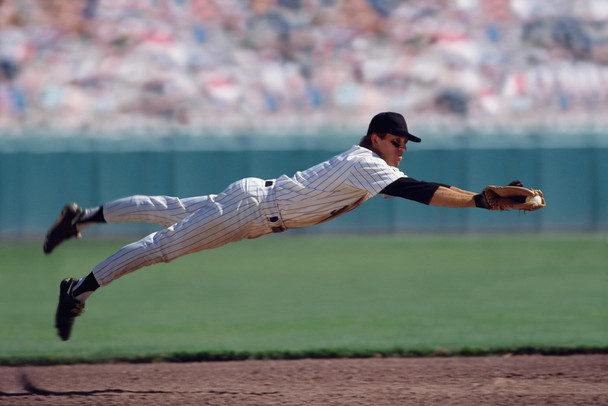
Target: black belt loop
[
  {"x": 275, "y": 219},
  {"x": 279, "y": 228}
]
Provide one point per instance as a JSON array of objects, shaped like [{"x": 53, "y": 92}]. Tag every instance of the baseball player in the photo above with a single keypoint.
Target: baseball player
[{"x": 250, "y": 208}]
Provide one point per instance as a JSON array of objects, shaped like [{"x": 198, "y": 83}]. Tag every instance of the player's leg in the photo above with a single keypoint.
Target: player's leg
[
  {"x": 232, "y": 216},
  {"x": 210, "y": 227},
  {"x": 237, "y": 213},
  {"x": 162, "y": 246},
  {"x": 163, "y": 210}
]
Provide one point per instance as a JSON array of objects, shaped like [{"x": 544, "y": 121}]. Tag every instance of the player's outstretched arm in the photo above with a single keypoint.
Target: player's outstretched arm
[
  {"x": 437, "y": 194},
  {"x": 453, "y": 197},
  {"x": 492, "y": 198},
  {"x": 512, "y": 196}
]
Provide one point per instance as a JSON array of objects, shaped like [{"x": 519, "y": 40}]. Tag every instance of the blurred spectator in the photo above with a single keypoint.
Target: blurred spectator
[{"x": 242, "y": 65}]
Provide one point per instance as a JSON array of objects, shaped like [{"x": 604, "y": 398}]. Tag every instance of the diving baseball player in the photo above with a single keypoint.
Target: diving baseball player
[{"x": 250, "y": 208}]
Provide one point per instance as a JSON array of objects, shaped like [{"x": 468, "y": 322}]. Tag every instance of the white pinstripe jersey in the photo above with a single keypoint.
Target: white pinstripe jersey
[
  {"x": 333, "y": 187},
  {"x": 245, "y": 209}
]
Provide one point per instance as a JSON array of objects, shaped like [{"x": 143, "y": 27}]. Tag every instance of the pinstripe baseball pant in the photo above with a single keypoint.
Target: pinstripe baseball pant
[{"x": 245, "y": 209}]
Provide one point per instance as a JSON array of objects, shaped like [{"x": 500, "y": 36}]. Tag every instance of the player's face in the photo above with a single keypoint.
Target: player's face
[{"x": 391, "y": 148}]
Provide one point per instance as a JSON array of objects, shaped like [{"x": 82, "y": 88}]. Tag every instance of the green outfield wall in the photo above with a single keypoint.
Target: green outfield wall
[{"x": 39, "y": 174}]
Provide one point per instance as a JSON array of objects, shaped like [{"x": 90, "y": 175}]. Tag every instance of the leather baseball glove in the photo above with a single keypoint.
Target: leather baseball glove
[{"x": 512, "y": 198}]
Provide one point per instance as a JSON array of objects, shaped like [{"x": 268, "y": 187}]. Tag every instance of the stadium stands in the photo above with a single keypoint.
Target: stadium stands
[{"x": 225, "y": 66}]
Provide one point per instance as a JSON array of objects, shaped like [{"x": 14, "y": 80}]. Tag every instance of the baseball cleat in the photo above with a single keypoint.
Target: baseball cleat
[
  {"x": 68, "y": 308},
  {"x": 64, "y": 227}
]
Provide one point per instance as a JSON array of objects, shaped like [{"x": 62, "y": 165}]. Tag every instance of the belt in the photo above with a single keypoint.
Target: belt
[{"x": 274, "y": 219}]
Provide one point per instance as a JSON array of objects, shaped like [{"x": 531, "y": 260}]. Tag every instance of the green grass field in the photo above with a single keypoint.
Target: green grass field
[{"x": 286, "y": 296}]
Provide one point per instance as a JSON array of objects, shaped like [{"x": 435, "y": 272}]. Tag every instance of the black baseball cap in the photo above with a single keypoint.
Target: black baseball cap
[{"x": 393, "y": 123}]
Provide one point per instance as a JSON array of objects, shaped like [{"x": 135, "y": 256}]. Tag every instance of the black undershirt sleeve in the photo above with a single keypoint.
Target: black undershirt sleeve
[{"x": 412, "y": 189}]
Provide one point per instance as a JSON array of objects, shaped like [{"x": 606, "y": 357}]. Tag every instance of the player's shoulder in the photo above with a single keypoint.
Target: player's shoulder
[
  {"x": 369, "y": 161},
  {"x": 352, "y": 156},
  {"x": 364, "y": 155},
  {"x": 358, "y": 152}
]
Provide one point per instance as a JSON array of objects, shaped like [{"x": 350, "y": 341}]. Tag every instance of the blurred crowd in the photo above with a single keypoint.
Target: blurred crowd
[{"x": 200, "y": 66}]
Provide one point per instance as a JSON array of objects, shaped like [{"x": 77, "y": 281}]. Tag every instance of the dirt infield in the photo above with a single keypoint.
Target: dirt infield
[{"x": 516, "y": 380}]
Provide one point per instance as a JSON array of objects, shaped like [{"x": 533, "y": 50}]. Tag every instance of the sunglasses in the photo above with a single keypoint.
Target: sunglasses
[{"x": 397, "y": 144}]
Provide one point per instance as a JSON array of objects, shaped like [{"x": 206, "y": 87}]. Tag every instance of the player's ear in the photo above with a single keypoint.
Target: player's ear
[{"x": 375, "y": 139}]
